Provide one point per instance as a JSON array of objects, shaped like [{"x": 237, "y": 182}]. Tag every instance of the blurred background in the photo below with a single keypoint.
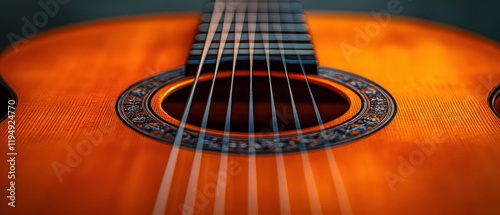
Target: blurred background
[{"x": 480, "y": 16}]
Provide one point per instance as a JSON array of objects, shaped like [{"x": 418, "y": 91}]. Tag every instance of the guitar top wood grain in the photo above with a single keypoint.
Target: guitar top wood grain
[{"x": 439, "y": 155}]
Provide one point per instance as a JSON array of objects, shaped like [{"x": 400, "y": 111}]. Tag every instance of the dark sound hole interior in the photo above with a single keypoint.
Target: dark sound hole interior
[
  {"x": 330, "y": 104},
  {"x": 496, "y": 105}
]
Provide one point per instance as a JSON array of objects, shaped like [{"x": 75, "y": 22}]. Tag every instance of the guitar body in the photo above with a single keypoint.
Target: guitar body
[{"x": 440, "y": 153}]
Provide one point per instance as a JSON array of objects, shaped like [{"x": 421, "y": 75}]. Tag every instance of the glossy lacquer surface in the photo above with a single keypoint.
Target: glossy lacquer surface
[{"x": 440, "y": 154}]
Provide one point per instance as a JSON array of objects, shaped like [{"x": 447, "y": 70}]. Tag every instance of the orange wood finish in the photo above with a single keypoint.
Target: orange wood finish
[{"x": 68, "y": 81}]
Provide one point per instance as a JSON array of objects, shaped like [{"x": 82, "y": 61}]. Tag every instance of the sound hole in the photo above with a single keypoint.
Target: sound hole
[
  {"x": 497, "y": 105},
  {"x": 496, "y": 102},
  {"x": 330, "y": 104}
]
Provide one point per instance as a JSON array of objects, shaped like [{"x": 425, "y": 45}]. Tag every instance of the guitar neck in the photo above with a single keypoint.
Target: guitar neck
[{"x": 263, "y": 35}]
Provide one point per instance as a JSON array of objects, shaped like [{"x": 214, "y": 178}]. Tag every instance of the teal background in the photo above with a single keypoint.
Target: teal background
[{"x": 480, "y": 16}]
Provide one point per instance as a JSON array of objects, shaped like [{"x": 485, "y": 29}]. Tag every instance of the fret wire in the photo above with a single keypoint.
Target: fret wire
[
  {"x": 207, "y": 16},
  {"x": 288, "y": 31},
  {"x": 306, "y": 59},
  {"x": 286, "y": 27},
  {"x": 258, "y": 45},
  {"x": 284, "y": 17},
  {"x": 272, "y": 7},
  {"x": 285, "y": 37},
  {"x": 259, "y": 51}
]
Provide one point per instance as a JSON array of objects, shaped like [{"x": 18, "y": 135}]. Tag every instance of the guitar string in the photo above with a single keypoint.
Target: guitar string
[
  {"x": 253, "y": 205},
  {"x": 220, "y": 193},
  {"x": 280, "y": 163},
  {"x": 306, "y": 165},
  {"x": 195, "y": 168},
  {"x": 166, "y": 182},
  {"x": 345, "y": 206}
]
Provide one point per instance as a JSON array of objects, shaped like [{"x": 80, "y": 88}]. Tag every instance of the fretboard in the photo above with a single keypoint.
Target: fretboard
[{"x": 271, "y": 32}]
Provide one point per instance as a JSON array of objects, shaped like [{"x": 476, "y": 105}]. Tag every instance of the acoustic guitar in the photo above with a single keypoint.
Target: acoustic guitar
[{"x": 252, "y": 108}]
